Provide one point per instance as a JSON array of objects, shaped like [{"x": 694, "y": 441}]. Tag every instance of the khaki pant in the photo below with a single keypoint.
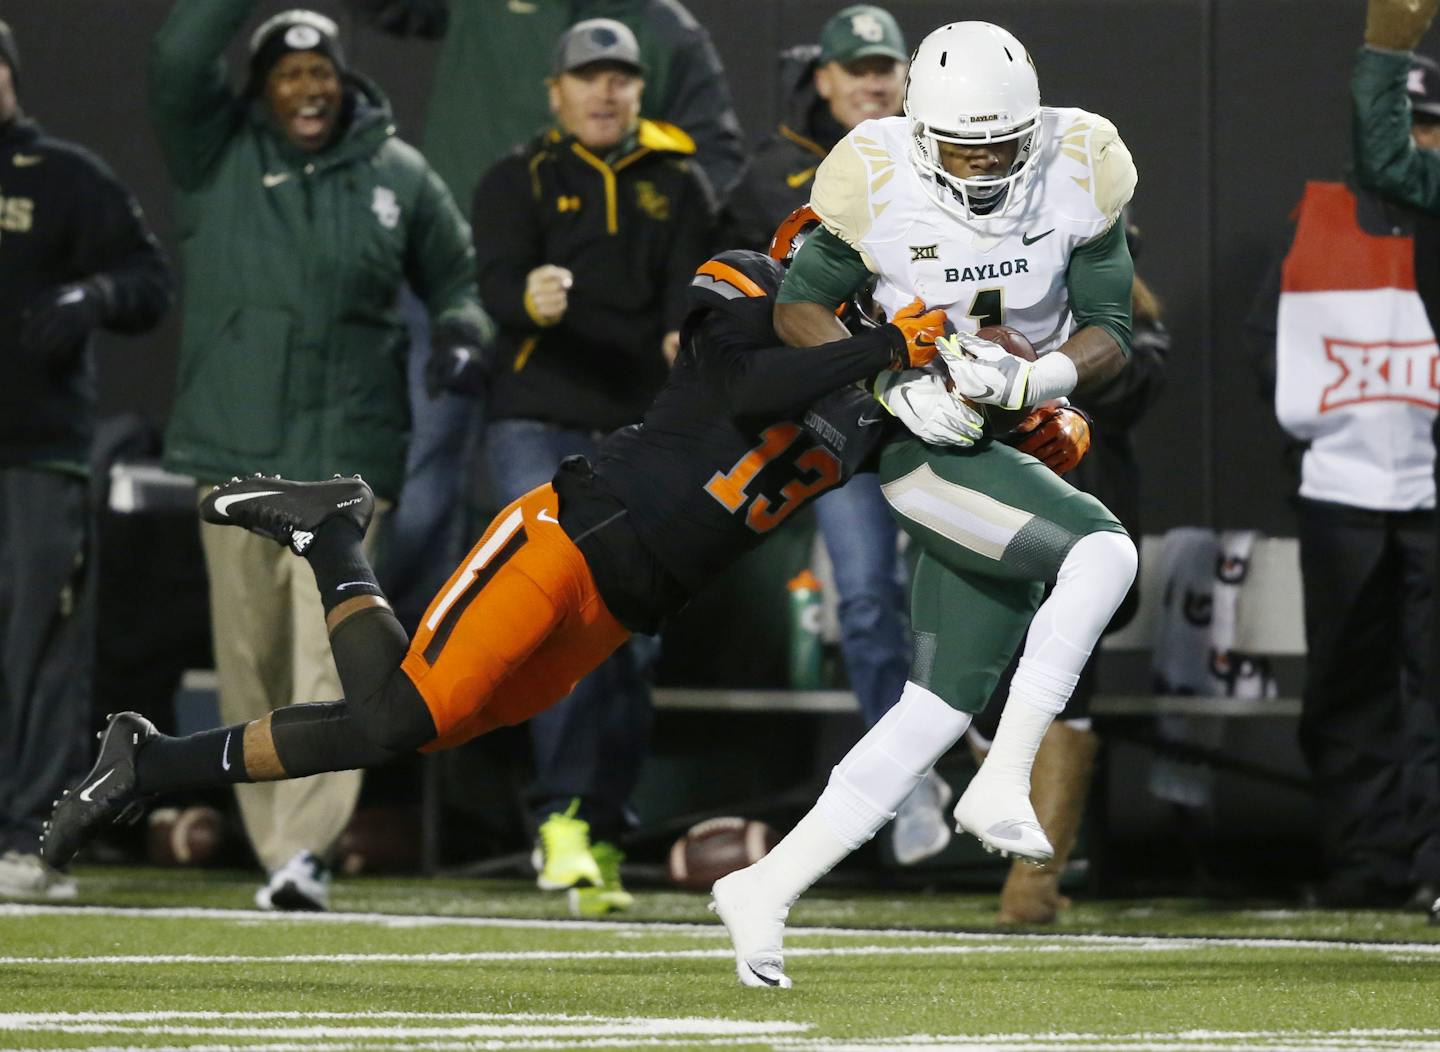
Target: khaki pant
[{"x": 271, "y": 649}]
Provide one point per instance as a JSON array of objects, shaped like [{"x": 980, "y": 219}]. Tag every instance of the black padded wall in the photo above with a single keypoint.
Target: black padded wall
[{"x": 1228, "y": 106}]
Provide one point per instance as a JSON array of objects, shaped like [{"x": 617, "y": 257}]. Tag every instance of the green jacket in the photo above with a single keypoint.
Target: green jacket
[
  {"x": 1386, "y": 159},
  {"x": 292, "y": 357}
]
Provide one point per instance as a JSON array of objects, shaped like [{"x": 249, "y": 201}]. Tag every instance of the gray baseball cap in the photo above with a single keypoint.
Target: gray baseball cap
[{"x": 596, "y": 40}]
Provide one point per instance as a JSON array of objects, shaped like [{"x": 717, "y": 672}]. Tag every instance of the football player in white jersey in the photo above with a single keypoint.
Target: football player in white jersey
[{"x": 999, "y": 210}]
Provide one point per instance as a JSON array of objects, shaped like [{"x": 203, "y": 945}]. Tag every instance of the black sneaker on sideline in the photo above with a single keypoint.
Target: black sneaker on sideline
[
  {"x": 104, "y": 796},
  {"x": 287, "y": 512}
]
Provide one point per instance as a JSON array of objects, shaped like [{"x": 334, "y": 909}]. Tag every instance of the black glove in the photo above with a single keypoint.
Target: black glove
[
  {"x": 459, "y": 365},
  {"x": 55, "y": 325}
]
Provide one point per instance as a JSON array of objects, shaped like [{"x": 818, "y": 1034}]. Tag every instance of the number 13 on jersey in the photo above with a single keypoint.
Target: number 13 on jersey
[{"x": 817, "y": 468}]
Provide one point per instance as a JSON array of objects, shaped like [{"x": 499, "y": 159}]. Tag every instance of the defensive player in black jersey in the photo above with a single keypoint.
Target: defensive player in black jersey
[{"x": 728, "y": 451}]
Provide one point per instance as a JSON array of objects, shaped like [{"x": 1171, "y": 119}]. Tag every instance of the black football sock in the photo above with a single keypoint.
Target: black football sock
[
  {"x": 341, "y": 570},
  {"x": 196, "y": 761}
]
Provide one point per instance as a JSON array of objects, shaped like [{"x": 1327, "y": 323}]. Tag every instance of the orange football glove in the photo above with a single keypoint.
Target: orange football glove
[
  {"x": 921, "y": 328},
  {"x": 1056, "y": 435}
]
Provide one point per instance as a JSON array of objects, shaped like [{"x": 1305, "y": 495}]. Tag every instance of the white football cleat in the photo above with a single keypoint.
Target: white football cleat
[
  {"x": 1003, "y": 820},
  {"x": 756, "y": 927}
]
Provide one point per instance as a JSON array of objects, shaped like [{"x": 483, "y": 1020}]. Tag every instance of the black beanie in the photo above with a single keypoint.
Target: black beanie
[
  {"x": 9, "y": 53},
  {"x": 294, "y": 30}
]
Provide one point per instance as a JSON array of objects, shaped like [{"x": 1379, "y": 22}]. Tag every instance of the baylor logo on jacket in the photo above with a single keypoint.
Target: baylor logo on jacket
[
  {"x": 385, "y": 207},
  {"x": 17, "y": 214}
]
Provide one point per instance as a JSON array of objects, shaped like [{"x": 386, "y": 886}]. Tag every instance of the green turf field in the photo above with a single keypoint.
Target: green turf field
[{"x": 156, "y": 959}]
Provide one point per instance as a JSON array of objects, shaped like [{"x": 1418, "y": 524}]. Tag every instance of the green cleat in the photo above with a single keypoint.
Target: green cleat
[
  {"x": 564, "y": 857},
  {"x": 610, "y": 896}
]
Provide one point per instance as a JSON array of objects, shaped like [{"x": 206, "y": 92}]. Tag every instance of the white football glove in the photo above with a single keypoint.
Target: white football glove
[
  {"x": 985, "y": 372},
  {"x": 918, "y": 399}
]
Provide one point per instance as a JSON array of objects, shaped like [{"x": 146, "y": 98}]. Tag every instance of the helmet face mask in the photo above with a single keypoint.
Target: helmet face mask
[{"x": 973, "y": 84}]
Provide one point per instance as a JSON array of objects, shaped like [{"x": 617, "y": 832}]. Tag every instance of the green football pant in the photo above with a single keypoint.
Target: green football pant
[{"x": 993, "y": 525}]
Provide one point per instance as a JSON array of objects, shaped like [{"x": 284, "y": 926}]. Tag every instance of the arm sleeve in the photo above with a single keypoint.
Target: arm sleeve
[
  {"x": 698, "y": 100},
  {"x": 191, "y": 105},
  {"x": 507, "y": 234},
  {"x": 440, "y": 265},
  {"x": 427, "y": 19},
  {"x": 1386, "y": 160},
  {"x": 776, "y": 380},
  {"x": 689, "y": 247},
  {"x": 1098, "y": 277},
  {"x": 114, "y": 247},
  {"x": 826, "y": 271}
]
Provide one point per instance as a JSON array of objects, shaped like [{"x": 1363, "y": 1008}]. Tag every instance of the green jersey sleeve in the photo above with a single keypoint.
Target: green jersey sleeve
[
  {"x": 826, "y": 271},
  {"x": 1099, "y": 277}
]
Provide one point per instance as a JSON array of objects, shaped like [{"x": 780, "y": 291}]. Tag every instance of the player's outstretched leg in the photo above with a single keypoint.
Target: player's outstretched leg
[
  {"x": 288, "y": 512},
  {"x": 1093, "y": 580},
  {"x": 383, "y": 716},
  {"x": 107, "y": 794},
  {"x": 864, "y": 790}
]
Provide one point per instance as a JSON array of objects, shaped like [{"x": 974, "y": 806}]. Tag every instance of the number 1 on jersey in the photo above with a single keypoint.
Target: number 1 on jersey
[{"x": 987, "y": 308}]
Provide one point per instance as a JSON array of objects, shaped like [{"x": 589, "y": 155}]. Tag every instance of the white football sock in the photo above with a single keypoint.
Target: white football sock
[
  {"x": 864, "y": 790},
  {"x": 1092, "y": 582}
]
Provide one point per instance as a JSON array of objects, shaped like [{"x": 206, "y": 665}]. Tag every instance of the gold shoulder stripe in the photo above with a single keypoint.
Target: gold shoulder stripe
[
  {"x": 878, "y": 183},
  {"x": 1083, "y": 184}
]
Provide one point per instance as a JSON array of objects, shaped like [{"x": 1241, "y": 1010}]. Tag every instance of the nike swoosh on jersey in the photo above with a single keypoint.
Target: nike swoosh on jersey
[
  {"x": 225, "y": 753},
  {"x": 871, "y": 421},
  {"x": 1026, "y": 239},
  {"x": 270, "y": 179},
  {"x": 27, "y": 160},
  {"x": 545, "y": 516},
  {"x": 85, "y": 794},
  {"x": 795, "y": 180},
  {"x": 235, "y": 498}
]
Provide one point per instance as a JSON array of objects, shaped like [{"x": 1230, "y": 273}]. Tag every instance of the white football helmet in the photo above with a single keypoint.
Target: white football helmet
[{"x": 972, "y": 83}]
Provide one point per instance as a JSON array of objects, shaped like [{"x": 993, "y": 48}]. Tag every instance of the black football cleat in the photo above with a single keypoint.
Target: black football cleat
[
  {"x": 287, "y": 512},
  {"x": 104, "y": 796}
]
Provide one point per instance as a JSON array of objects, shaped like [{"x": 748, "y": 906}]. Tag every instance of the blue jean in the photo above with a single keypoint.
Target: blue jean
[
  {"x": 874, "y": 633},
  {"x": 424, "y": 537},
  {"x": 591, "y": 744}
]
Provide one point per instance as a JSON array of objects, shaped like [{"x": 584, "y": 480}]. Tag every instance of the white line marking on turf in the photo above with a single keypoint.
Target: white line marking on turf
[
  {"x": 717, "y": 931},
  {"x": 1146, "y": 1041},
  {"x": 400, "y": 1030},
  {"x": 519, "y": 956}
]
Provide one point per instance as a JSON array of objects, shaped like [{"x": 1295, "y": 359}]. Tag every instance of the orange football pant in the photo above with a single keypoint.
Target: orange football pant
[{"x": 513, "y": 630}]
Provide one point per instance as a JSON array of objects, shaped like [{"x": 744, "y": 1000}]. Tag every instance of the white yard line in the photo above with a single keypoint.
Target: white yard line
[
  {"x": 520, "y": 956},
  {"x": 716, "y": 931}
]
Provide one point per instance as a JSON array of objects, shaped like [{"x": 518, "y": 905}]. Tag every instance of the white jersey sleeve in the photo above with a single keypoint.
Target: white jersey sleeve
[
  {"x": 1094, "y": 142},
  {"x": 841, "y": 194}
]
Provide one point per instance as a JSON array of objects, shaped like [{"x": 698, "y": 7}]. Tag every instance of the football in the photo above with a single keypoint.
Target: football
[
  {"x": 189, "y": 837},
  {"x": 716, "y": 847},
  {"x": 1000, "y": 422}
]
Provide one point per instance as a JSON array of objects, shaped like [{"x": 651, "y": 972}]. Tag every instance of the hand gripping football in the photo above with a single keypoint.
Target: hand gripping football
[{"x": 1000, "y": 422}]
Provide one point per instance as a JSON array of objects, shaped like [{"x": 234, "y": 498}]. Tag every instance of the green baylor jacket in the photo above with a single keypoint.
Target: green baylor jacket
[{"x": 292, "y": 357}]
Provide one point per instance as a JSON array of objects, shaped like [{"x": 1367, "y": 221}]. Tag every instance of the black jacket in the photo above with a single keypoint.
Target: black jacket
[
  {"x": 64, "y": 218},
  {"x": 778, "y": 175},
  {"x": 632, "y": 232}
]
